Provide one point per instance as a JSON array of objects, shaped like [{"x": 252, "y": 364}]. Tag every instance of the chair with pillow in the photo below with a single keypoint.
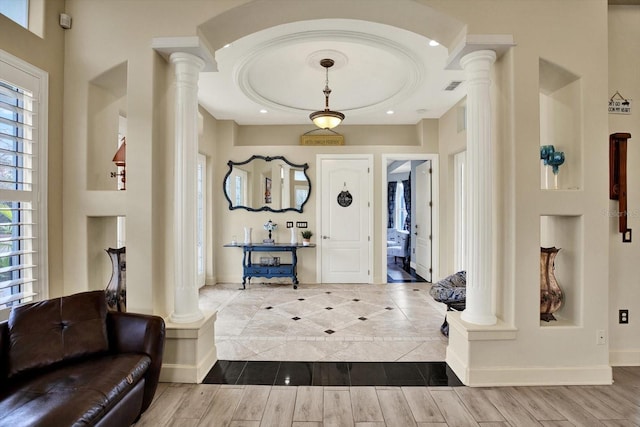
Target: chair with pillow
[
  {"x": 452, "y": 291},
  {"x": 398, "y": 245}
]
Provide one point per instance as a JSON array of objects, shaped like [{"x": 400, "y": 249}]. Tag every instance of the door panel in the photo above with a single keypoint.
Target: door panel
[
  {"x": 422, "y": 223},
  {"x": 344, "y": 236}
]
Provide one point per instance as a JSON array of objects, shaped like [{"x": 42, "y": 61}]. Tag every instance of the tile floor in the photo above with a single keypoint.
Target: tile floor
[
  {"x": 346, "y": 322},
  {"x": 350, "y": 374}
]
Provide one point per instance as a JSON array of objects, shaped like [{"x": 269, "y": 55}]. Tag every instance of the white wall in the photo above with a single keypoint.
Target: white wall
[{"x": 624, "y": 278}]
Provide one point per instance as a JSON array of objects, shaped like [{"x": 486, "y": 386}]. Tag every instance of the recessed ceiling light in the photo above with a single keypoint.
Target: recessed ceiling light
[
  {"x": 263, "y": 111},
  {"x": 434, "y": 43},
  {"x": 390, "y": 112}
]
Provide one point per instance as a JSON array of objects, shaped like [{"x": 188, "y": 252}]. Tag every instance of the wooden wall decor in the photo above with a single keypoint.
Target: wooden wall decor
[{"x": 618, "y": 179}]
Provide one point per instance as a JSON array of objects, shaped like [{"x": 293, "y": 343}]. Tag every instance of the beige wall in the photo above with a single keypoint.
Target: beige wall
[
  {"x": 109, "y": 33},
  {"x": 46, "y": 53},
  {"x": 624, "y": 280},
  {"x": 239, "y": 143}
]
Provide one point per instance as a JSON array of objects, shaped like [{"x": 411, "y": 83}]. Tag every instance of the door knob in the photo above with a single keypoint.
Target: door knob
[{"x": 325, "y": 237}]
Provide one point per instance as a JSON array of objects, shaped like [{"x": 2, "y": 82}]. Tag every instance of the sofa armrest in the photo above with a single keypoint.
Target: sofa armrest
[{"x": 139, "y": 333}]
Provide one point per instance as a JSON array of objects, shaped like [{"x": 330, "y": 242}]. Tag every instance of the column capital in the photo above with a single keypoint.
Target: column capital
[
  {"x": 478, "y": 58},
  {"x": 188, "y": 59}
]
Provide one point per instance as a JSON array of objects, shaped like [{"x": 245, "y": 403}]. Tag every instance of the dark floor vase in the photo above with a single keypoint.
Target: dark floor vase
[
  {"x": 551, "y": 296},
  {"x": 117, "y": 289}
]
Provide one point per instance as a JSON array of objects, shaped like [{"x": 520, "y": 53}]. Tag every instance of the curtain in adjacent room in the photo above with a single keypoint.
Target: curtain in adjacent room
[
  {"x": 391, "y": 203},
  {"x": 407, "y": 203}
]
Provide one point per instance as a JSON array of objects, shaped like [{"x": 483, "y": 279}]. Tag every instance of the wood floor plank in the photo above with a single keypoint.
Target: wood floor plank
[
  {"x": 431, "y": 425},
  {"x": 183, "y": 422},
  {"x": 337, "y": 408},
  {"x": 423, "y": 407},
  {"x": 480, "y": 408},
  {"x": 365, "y": 405},
  {"x": 494, "y": 424},
  {"x": 306, "y": 424},
  {"x": 609, "y": 396},
  {"x": 556, "y": 423},
  {"x": 196, "y": 401},
  {"x": 452, "y": 408},
  {"x": 531, "y": 400},
  {"x": 244, "y": 423},
  {"x": 510, "y": 408},
  {"x": 594, "y": 405},
  {"x": 252, "y": 404},
  {"x": 619, "y": 423},
  {"x": 224, "y": 404},
  {"x": 573, "y": 411},
  {"x": 395, "y": 409},
  {"x": 161, "y": 412},
  {"x": 279, "y": 409},
  {"x": 309, "y": 404}
]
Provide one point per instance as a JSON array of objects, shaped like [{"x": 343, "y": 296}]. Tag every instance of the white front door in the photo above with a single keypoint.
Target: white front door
[
  {"x": 345, "y": 210},
  {"x": 422, "y": 222}
]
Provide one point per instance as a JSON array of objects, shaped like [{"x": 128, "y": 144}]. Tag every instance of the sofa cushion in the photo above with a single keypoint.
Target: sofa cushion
[
  {"x": 72, "y": 394},
  {"x": 51, "y": 331}
]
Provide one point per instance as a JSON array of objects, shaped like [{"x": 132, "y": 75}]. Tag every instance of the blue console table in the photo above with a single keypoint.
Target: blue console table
[{"x": 249, "y": 269}]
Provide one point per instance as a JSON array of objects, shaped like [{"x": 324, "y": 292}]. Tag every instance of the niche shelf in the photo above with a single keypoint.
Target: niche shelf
[
  {"x": 561, "y": 124},
  {"x": 107, "y": 105},
  {"x": 565, "y": 233}
]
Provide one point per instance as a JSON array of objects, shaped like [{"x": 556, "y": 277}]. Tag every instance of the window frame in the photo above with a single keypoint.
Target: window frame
[{"x": 20, "y": 73}]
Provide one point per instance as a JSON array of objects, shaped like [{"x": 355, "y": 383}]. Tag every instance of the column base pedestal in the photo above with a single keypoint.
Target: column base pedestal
[
  {"x": 488, "y": 356},
  {"x": 189, "y": 350}
]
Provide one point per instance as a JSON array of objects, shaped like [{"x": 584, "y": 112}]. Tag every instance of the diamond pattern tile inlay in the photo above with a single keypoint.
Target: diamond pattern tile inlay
[
  {"x": 328, "y": 308},
  {"x": 329, "y": 331},
  {"x": 362, "y": 318},
  {"x": 295, "y": 318},
  {"x": 300, "y": 299},
  {"x": 388, "y": 308},
  {"x": 268, "y": 308},
  {"x": 355, "y": 299}
]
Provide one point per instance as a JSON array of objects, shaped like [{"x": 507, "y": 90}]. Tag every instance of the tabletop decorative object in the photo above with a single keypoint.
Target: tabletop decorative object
[
  {"x": 269, "y": 226},
  {"x": 551, "y": 296},
  {"x": 553, "y": 158}
]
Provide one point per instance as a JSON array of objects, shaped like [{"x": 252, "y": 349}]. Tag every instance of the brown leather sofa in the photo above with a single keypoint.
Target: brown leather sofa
[{"x": 70, "y": 362}]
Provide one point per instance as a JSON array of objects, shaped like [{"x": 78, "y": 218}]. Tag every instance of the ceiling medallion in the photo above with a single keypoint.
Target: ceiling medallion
[{"x": 326, "y": 119}]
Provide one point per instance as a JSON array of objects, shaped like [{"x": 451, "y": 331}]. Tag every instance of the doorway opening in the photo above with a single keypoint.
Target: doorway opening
[{"x": 410, "y": 222}]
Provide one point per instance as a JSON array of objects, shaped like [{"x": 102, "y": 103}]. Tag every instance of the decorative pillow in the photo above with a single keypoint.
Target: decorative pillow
[
  {"x": 51, "y": 331},
  {"x": 450, "y": 289}
]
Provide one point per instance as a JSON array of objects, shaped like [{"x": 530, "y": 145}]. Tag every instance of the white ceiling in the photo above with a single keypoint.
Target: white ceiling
[{"x": 377, "y": 68}]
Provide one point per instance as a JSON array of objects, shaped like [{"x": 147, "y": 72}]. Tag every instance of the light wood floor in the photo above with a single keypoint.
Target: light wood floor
[{"x": 280, "y": 406}]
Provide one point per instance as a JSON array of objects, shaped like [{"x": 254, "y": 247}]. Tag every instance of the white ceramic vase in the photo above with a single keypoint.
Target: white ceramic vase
[
  {"x": 294, "y": 236},
  {"x": 247, "y": 235}
]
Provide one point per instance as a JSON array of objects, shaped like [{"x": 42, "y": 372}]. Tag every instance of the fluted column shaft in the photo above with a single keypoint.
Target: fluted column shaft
[
  {"x": 479, "y": 190},
  {"x": 187, "y": 68}
]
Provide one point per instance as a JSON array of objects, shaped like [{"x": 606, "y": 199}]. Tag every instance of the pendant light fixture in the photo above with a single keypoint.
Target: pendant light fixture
[{"x": 326, "y": 119}]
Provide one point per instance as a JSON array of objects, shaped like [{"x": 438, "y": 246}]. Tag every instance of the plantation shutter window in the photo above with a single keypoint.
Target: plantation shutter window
[{"x": 22, "y": 255}]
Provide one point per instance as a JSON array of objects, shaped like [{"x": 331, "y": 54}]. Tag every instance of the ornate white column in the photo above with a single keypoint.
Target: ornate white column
[
  {"x": 187, "y": 68},
  {"x": 479, "y": 192}
]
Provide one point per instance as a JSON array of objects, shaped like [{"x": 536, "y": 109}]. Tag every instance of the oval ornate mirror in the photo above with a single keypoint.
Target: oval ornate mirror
[{"x": 267, "y": 184}]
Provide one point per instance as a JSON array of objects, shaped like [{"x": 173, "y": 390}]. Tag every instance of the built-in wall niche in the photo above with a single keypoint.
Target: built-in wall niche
[
  {"x": 566, "y": 234},
  {"x": 561, "y": 125},
  {"x": 106, "y": 110},
  {"x": 103, "y": 232}
]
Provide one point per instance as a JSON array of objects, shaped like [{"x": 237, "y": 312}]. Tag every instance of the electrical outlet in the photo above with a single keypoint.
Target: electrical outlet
[
  {"x": 623, "y": 316},
  {"x": 289, "y": 224},
  {"x": 601, "y": 338},
  {"x": 301, "y": 224}
]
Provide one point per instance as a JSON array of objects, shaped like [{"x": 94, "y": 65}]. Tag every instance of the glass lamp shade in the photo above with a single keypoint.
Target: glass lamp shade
[{"x": 326, "y": 119}]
